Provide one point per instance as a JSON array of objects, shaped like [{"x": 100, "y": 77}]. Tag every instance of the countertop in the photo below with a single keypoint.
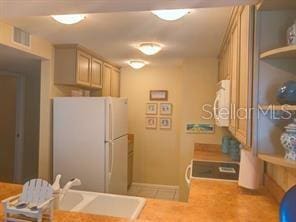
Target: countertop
[{"x": 208, "y": 201}]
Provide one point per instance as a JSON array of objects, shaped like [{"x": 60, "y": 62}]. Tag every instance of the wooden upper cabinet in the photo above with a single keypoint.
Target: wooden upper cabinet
[
  {"x": 224, "y": 62},
  {"x": 77, "y": 66},
  {"x": 234, "y": 72},
  {"x": 96, "y": 73},
  {"x": 111, "y": 81},
  {"x": 83, "y": 73},
  {"x": 107, "y": 72},
  {"x": 244, "y": 91},
  {"x": 237, "y": 65},
  {"x": 115, "y": 82}
]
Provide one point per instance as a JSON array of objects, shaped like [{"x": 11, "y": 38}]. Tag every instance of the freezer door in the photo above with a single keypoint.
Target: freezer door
[
  {"x": 117, "y": 165},
  {"x": 117, "y": 118},
  {"x": 79, "y": 141}
]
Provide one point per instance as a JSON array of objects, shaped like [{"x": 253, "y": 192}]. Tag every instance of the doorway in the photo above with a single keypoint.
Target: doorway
[
  {"x": 8, "y": 86},
  {"x": 19, "y": 115}
]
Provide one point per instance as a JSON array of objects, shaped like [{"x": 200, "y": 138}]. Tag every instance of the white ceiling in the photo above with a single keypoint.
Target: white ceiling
[
  {"x": 11, "y": 8},
  {"x": 115, "y": 35}
]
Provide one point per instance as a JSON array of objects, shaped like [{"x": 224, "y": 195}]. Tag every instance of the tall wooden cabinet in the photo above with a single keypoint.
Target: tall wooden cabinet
[
  {"x": 234, "y": 44},
  {"x": 77, "y": 66},
  {"x": 236, "y": 58},
  {"x": 244, "y": 80}
]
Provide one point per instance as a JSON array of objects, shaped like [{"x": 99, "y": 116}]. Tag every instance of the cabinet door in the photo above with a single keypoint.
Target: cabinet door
[
  {"x": 107, "y": 72},
  {"x": 115, "y": 83},
  {"x": 228, "y": 61},
  {"x": 244, "y": 94},
  {"x": 234, "y": 44},
  {"x": 96, "y": 73},
  {"x": 83, "y": 72}
]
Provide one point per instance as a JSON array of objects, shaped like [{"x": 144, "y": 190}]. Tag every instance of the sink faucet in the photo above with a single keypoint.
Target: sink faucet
[
  {"x": 73, "y": 182},
  {"x": 59, "y": 193}
]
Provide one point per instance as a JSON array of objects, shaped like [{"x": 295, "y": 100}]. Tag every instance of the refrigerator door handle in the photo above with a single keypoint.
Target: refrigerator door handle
[
  {"x": 110, "y": 121},
  {"x": 111, "y": 162}
]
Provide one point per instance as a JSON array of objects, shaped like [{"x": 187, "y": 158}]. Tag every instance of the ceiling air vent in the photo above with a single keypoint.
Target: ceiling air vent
[{"x": 21, "y": 37}]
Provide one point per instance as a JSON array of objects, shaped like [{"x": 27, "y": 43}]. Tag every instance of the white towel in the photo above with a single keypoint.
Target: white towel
[{"x": 251, "y": 170}]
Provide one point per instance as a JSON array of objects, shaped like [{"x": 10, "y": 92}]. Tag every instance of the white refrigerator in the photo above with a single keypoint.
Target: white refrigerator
[{"x": 90, "y": 142}]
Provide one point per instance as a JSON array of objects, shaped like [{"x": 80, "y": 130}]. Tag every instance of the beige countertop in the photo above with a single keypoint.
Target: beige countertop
[{"x": 208, "y": 201}]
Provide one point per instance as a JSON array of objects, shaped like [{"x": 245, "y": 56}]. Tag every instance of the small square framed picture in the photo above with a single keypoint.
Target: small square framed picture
[
  {"x": 165, "y": 123},
  {"x": 166, "y": 109},
  {"x": 151, "y": 122},
  {"x": 151, "y": 108}
]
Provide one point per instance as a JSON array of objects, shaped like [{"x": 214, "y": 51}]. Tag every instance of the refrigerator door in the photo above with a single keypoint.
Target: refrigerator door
[
  {"x": 117, "y": 118},
  {"x": 116, "y": 164},
  {"x": 79, "y": 141}
]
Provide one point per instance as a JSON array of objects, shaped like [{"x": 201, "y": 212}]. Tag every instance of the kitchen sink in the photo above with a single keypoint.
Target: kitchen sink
[{"x": 102, "y": 204}]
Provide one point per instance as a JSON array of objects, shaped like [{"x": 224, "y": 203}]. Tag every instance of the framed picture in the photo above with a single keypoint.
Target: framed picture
[
  {"x": 166, "y": 109},
  {"x": 151, "y": 108},
  {"x": 165, "y": 123},
  {"x": 151, "y": 122},
  {"x": 159, "y": 95},
  {"x": 204, "y": 128}
]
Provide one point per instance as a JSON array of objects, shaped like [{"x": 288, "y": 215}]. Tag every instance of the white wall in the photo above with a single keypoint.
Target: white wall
[
  {"x": 199, "y": 79},
  {"x": 162, "y": 156},
  {"x": 155, "y": 151}
]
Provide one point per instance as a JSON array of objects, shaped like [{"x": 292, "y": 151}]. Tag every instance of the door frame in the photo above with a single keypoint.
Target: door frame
[{"x": 19, "y": 134}]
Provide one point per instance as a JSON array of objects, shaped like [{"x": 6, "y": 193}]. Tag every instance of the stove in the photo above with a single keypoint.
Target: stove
[{"x": 215, "y": 170}]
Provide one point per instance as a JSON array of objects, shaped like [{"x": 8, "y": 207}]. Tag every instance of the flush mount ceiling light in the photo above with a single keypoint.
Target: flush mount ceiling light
[
  {"x": 137, "y": 64},
  {"x": 171, "y": 15},
  {"x": 68, "y": 19},
  {"x": 149, "y": 48}
]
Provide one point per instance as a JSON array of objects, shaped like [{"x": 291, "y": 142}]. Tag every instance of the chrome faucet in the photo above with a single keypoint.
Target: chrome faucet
[{"x": 59, "y": 193}]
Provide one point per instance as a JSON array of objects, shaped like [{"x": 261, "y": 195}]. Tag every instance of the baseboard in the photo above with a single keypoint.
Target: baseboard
[
  {"x": 156, "y": 186},
  {"x": 274, "y": 189}
]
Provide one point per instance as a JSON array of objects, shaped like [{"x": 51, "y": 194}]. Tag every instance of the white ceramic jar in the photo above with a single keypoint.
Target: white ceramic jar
[{"x": 288, "y": 140}]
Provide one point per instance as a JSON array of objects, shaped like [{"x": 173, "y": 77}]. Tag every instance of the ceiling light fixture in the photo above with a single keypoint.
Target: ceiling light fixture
[
  {"x": 149, "y": 48},
  {"x": 137, "y": 64},
  {"x": 68, "y": 19},
  {"x": 171, "y": 15}
]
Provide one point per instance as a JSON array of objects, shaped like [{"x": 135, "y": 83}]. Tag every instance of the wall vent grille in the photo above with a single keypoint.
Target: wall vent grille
[{"x": 21, "y": 37}]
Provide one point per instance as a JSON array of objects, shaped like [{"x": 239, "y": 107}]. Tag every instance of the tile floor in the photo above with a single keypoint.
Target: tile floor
[{"x": 154, "y": 192}]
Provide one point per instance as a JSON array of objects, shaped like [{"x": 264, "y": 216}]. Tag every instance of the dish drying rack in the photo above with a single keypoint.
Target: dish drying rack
[{"x": 35, "y": 203}]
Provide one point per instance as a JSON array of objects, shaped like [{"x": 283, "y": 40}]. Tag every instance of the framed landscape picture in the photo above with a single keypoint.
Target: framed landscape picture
[
  {"x": 166, "y": 109},
  {"x": 151, "y": 108},
  {"x": 151, "y": 122},
  {"x": 204, "y": 128},
  {"x": 165, "y": 123}
]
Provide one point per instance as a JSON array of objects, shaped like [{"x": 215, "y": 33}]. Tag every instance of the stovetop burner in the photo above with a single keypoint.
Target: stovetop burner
[{"x": 215, "y": 170}]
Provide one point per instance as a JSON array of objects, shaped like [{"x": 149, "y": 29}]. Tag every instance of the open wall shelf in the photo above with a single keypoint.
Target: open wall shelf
[
  {"x": 277, "y": 107},
  {"x": 278, "y": 160},
  {"x": 269, "y": 5},
  {"x": 283, "y": 52}
]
